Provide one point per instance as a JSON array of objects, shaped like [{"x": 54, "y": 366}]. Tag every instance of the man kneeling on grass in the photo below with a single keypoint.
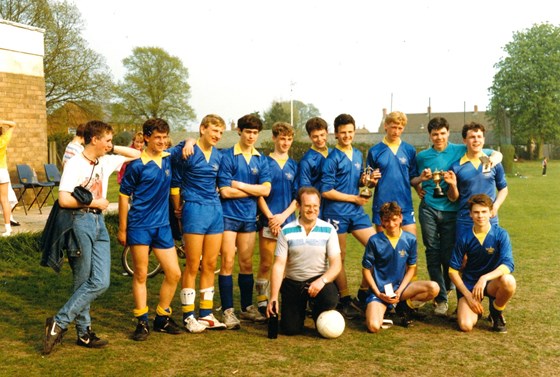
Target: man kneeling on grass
[
  {"x": 487, "y": 271},
  {"x": 389, "y": 264}
]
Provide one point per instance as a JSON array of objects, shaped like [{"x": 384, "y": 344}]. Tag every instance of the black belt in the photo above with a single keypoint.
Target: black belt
[{"x": 97, "y": 211}]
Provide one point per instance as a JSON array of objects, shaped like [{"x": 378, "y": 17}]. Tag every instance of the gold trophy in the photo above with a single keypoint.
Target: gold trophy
[
  {"x": 437, "y": 176},
  {"x": 365, "y": 192},
  {"x": 486, "y": 168}
]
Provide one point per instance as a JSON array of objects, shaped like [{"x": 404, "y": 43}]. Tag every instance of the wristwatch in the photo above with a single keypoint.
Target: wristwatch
[{"x": 324, "y": 280}]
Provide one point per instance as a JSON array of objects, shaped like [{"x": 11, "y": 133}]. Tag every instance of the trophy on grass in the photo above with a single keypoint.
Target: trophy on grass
[
  {"x": 437, "y": 176},
  {"x": 486, "y": 168},
  {"x": 366, "y": 192}
]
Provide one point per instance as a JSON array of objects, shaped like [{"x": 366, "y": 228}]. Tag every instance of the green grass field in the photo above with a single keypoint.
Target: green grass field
[{"x": 434, "y": 347}]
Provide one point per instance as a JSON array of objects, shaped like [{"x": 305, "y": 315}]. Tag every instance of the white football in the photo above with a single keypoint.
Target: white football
[{"x": 330, "y": 324}]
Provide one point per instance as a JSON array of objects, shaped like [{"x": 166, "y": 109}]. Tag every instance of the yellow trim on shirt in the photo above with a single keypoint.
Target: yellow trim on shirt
[
  {"x": 394, "y": 147},
  {"x": 481, "y": 236},
  {"x": 175, "y": 191},
  {"x": 393, "y": 240},
  {"x": 207, "y": 153},
  {"x": 349, "y": 152},
  {"x": 324, "y": 152},
  {"x": 157, "y": 159},
  {"x": 453, "y": 271},
  {"x": 476, "y": 162},
  {"x": 237, "y": 150},
  {"x": 281, "y": 161},
  {"x": 504, "y": 269}
]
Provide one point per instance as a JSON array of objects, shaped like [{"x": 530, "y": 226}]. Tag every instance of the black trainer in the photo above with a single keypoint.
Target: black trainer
[
  {"x": 142, "y": 331},
  {"x": 404, "y": 313},
  {"x": 167, "y": 325},
  {"x": 53, "y": 335},
  {"x": 498, "y": 323},
  {"x": 90, "y": 340}
]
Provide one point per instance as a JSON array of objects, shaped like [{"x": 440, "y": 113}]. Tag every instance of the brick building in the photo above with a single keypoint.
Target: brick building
[{"x": 22, "y": 95}]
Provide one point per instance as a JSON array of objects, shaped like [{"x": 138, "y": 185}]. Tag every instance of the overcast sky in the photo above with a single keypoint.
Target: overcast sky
[{"x": 354, "y": 57}]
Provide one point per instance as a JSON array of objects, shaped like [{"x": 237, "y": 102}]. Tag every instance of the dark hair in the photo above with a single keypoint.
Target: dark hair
[
  {"x": 480, "y": 199},
  {"x": 80, "y": 130},
  {"x": 315, "y": 124},
  {"x": 472, "y": 126},
  {"x": 250, "y": 121},
  {"x": 389, "y": 210},
  {"x": 437, "y": 123},
  {"x": 96, "y": 128},
  {"x": 307, "y": 190},
  {"x": 342, "y": 120},
  {"x": 155, "y": 124}
]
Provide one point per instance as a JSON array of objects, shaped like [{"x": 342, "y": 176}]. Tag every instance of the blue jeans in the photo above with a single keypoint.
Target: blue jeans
[
  {"x": 91, "y": 270},
  {"x": 438, "y": 233}
]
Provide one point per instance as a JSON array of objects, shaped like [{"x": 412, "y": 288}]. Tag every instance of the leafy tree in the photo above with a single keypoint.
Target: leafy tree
[
  {"x": 277, "y": 113},
  {"x": 73, "y": 72},
  {"x": 155, "y": 85},
  {"x": 280, "y": 112},
  {"x": 526, "y": 88}
]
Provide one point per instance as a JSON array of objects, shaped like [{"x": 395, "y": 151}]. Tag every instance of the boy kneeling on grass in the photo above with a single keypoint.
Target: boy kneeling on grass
[
  {"x": 487, "y": 271},
  {"x": 389, "y": 264}
]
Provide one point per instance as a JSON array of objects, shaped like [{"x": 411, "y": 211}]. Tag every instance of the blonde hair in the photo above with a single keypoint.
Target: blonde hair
[{"x": 396, "y": 117}]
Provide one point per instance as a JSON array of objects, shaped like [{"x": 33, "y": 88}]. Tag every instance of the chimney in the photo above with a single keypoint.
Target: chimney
[
  {"x": 384, "y": 112},
  {"x": 475, "y": 109}
]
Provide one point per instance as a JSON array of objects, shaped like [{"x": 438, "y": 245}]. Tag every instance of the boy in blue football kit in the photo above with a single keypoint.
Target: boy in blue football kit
[
  {"x": 195, "y": 179},
  {"x": 343, "y": 206},
  {"x": 437, "y": 214},
  {"x": 311, "y": 164},
  {"x": 146, "y": 224},
  {"x": 244, "y": 176},
  {"x": 469, "y": 176},
  {"x": 278, "y": 207},
  {"x": 394, "y": 164},
  {"x": 488, "y": 268},
  {"x": 389, "y": 264}
]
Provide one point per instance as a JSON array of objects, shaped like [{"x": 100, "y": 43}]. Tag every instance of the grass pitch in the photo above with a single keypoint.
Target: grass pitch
[{"x": 434, "y": 347}]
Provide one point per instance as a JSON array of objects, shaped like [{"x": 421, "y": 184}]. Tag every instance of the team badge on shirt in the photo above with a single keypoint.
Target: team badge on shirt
[
  {"x": 358, "y": 166},
  {"x": 402, "y": 253},
  {"x": 167, "y": 173},
  {"x": 289, "y": 176},
  {"x": 215, "y": 167},
  {"x": 254, "y": 171},
  {"x": 403, "y": 160},
  {"x": 490, "y": 250}
]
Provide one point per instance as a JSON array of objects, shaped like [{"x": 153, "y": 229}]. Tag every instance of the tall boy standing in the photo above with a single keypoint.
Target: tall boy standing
[
  {"x": 343, "y": 206},
  {"x": 244, "y": 176}
]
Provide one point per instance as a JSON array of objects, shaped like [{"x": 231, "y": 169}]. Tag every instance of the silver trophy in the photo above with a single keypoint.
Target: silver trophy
[{"x": 486, "y": 165}]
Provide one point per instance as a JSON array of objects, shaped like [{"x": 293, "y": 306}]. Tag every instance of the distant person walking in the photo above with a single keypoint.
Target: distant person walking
[
  {"x": 544, "y": 165},
  {"x": 5, "y": 137}
]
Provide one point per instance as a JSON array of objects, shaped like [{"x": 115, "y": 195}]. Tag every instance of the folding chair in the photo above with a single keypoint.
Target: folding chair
[
  {"x": 20, "y": 190},
  {"x": 53, "y": 175},
  {"x": 29, "y": 181}
]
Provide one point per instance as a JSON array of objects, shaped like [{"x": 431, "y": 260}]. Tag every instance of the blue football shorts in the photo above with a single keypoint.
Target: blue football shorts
[
  {"x": 200, "y": 218},
  {"x": 240, "y": 226},
  {"x": 158, "y": 238},
  {"x": 348, "y": 224}
]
